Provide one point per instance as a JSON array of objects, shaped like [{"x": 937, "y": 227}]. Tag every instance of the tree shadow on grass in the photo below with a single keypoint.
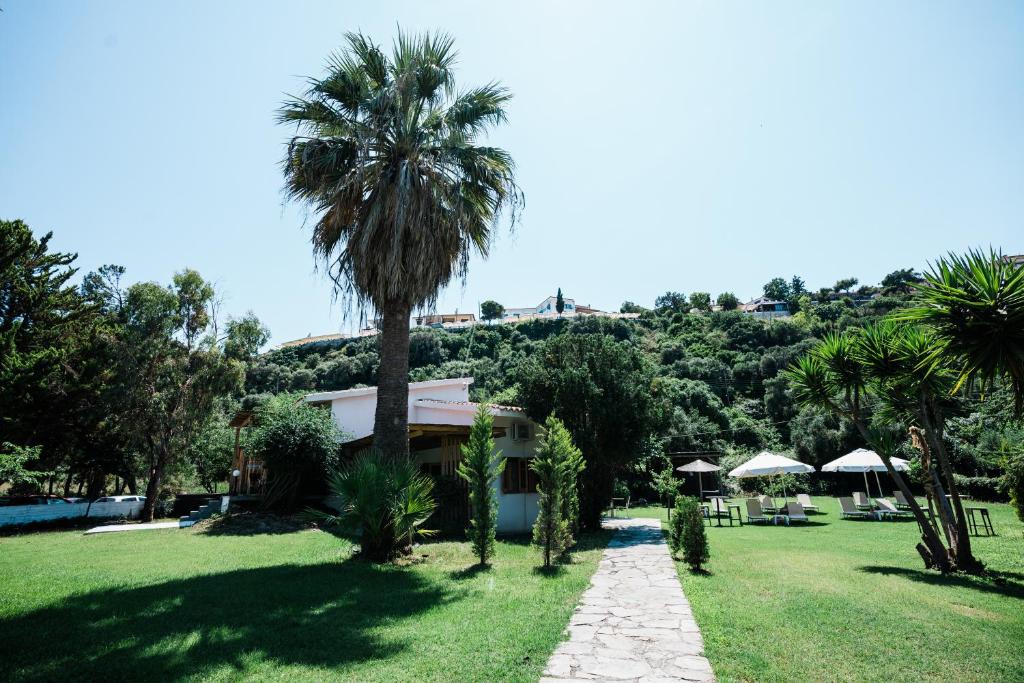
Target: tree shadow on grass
[
  {"x": 470, "y": 572},
  {"x": 316, "y": 615},
  {"x": 991, "y": 584}
]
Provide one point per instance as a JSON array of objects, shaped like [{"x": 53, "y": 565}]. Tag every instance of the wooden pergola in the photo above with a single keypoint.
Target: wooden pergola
[{"x": 251, "y": 472}]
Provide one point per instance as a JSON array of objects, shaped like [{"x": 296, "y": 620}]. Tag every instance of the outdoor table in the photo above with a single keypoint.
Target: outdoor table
[
  {"x": 614, "y": 500},
  {"x": 780, "y": 518},
  {"x": 986, "y": 521}
]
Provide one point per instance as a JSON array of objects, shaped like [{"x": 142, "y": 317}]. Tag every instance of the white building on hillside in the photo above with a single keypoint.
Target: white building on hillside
[{"x": 440, "y": 414}]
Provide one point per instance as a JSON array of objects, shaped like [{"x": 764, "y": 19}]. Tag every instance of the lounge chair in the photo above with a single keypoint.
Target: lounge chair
[
  {"x": 795, "y": 512},
  {"x": 718, "y": 508},
  {"x": 862, "y": 501},
  {"x": 805, "y": 502},
  {"x": 848, "y": 508},
  {"x": 754, "y": 512},
  {"x": 887, "y": 508},
  {"x": 901, "y": 501},
  {"x": 767, "y": 504}
]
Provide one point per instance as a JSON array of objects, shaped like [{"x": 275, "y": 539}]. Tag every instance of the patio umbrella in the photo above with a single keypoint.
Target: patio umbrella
[
  {"x": 766, "y": 464},
  {"x": 700, "y": 467},
  {"x": 864, "y": 461}
]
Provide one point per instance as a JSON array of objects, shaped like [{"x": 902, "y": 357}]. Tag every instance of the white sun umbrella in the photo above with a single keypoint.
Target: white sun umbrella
[
  {"x": 864, "y": 461},
  {"x": 766, "y": 464},
  {"x": 700, "y": 467}
]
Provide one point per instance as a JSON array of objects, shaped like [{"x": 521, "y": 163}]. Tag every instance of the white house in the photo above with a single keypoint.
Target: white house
[
  {"x": 440, "y": 414},
  {"x": 548, "y": 306}
]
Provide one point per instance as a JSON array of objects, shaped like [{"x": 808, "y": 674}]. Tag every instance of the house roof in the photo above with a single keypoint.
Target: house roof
[
  {"x": 363, "y": 391},
  {"x": 467, "y": 406}
]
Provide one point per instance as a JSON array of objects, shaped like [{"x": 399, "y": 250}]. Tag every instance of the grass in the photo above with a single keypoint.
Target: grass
[
  {"x": 846, "y": 600},
  {"x": 188, "y": 605}
]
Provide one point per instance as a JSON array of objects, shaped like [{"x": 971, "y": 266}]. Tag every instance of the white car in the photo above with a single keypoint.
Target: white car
[{"x": 121, "y": 499}]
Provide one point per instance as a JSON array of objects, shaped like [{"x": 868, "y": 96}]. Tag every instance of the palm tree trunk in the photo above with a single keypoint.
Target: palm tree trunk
[{"x": 391, "y": 421}]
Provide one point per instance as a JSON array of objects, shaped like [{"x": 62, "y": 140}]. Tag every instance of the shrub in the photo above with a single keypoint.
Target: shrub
[
  {"x": 687, "y": 533},
  {"x": 982, "y": 488},
  {"x": 480, "y": 468},
  {"x": 384, "y": 500},
  {"x": 1014, "y": 481},
  {"x": 297, "y": 442}
]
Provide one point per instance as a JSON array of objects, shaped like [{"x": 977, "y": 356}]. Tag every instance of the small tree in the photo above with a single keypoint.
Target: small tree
[
  {"x": 687, "y": 533},
  {"x": 480, "y": 468},
  {"x": 491, "y": 310},
  {"x": 701, "y": 301},
  {"x": 572, "y": 465},
  {"x": 728, "y": 301},
  {"x": 666, "y": 484},
  {"x": 559, "y": 302},
  {"x": 551, "y": 530}
]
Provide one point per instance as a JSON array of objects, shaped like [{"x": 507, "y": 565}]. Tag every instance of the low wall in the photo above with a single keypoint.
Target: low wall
[{"x": 27, "y": 514}]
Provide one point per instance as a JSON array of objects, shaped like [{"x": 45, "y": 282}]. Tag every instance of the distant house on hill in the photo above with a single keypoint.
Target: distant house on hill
[
  {"x": 766, "y": 308},
  {"x": 549, "y": 307},
  {"x": 442, "y": 319},
  {"x": 440, "y": 415}
]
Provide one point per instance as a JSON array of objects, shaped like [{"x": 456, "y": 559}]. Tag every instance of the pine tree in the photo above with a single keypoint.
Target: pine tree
[
  {"x": 551, "y": 464},
  {"x": 480, "y": 467}
]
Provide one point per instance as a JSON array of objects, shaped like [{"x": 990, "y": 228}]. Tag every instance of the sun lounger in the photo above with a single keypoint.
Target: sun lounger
[
  {"x": 862, "y": 501},
  {"x": 887, "y": 508},
  {"x": 767, "y": 504},
  {"x": 754, "y": 512},
  {"x": 718, "y": 508},
  {"x": 805, "y": 502},
  {"x": 847, "y": 508},
  {"x": 795, "y": 512},
  {"x": 901, "y": 501}
]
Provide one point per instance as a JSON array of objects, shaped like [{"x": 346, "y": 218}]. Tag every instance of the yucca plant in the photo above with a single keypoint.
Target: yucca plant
[
  {"x": 975, "y": 304},
  {"x": 388, "y": 157},
  {"x": 384, "y": 500}
]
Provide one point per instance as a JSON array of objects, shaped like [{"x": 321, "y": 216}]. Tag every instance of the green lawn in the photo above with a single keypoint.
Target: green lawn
[
  {"x": 181, "y": 604},
  {"x": 842, "y": 600}
]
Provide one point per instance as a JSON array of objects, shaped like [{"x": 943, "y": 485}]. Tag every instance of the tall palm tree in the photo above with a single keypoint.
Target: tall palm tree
[{"x": 387, "y": 156}]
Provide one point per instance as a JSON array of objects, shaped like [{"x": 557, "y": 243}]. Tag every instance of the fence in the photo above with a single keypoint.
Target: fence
[{"x": 26, "y": 514}]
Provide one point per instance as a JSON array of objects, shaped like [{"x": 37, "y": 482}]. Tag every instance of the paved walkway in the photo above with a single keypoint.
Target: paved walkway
[
  {"x": 132, "y": 527},
  {"x": 633, "y": 623}
]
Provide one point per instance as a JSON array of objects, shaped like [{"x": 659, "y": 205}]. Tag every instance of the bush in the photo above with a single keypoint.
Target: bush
[
  {"x": 687, "y": 533},
  {"x": 297, "y": 442},
  {"x": 386, "y": 501},
  {"x": 1014, "y": 481},
  {"x": 982, "y": 488}
]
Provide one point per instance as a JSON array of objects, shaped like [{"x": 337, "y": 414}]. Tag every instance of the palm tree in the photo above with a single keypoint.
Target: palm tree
[
  {"x": 387, "y": 157},
  {"x": 975, "y": 304}
]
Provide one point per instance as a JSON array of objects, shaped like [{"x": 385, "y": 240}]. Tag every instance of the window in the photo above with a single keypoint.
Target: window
[{"x": 518, "y": 477}]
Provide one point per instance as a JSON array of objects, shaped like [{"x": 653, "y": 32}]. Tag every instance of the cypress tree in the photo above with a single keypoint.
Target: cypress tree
[{"x": 480, "y": 467}]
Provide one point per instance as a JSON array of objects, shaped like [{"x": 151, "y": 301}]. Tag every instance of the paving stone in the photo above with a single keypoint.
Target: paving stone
[{"x": 633, "y": 623}]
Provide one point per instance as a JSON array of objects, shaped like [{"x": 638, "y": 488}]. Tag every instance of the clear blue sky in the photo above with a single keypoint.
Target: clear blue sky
[{"x": 685, "y": 146}]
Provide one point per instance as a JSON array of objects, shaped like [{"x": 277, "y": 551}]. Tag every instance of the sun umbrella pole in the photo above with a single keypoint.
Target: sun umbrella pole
[
  {"x": 867, "y": 489},
  {"x": 700, "y": 486},
  {"x": 879, "y": 482}
]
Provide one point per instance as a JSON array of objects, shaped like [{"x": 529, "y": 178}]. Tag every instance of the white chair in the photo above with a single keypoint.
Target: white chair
[
  {"x": 754, "y": 512},
  {"x": 848, "y": 508},
  {"x": 805, "y": 502}
]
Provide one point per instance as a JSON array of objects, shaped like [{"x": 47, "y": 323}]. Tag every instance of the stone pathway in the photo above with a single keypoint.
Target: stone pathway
[
  {"x": 106, "y": 529},
  {"x": 633, "y": 623}
]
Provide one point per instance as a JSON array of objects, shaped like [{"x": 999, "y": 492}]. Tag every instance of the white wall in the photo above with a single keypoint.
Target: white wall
[{"x": 26, "y": 514}]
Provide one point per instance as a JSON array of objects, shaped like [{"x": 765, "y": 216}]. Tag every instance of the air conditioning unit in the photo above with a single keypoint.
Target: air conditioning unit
[{"x": 520, "y": 431}]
